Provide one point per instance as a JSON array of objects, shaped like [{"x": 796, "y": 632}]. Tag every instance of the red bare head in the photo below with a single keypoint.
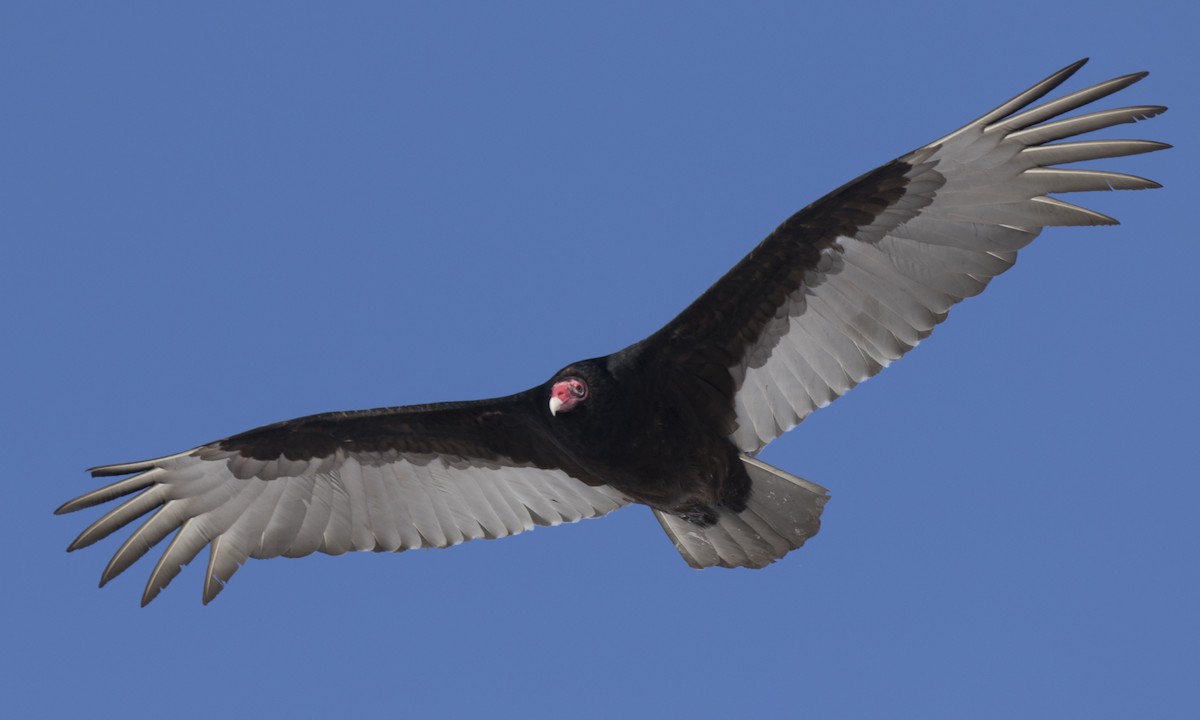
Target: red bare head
[{"x": 566, "y": 394}]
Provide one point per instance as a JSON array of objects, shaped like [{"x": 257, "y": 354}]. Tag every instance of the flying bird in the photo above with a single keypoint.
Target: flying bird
[{"x": 831, "y": 297}]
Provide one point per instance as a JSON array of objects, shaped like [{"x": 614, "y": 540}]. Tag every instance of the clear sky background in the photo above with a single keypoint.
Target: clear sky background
[{"x": 217, "y": 217}]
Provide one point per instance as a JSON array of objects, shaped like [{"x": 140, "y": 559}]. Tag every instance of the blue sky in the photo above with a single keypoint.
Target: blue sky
[{"x": 220, "y": 217}]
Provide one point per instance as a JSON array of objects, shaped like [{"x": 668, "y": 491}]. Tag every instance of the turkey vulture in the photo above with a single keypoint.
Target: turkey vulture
[{"x": 831, "y": 297}]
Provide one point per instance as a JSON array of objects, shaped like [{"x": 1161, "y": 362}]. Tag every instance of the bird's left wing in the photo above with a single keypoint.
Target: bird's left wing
[
  {"x": 390, "y": 479},
  {"x": 855, "y": 280}
]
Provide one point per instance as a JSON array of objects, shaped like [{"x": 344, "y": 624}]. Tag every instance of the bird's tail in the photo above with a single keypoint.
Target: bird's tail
[{"x": 782, "y": 512}]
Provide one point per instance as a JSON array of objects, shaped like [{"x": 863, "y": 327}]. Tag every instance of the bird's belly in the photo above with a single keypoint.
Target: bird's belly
[{"x": 694, "y": 491}]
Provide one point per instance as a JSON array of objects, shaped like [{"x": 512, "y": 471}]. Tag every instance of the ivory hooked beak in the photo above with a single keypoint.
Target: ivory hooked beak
[{"x": 555, "y": 404}]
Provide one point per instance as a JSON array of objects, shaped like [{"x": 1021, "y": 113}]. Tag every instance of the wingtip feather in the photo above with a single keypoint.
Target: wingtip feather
[
  {"x": 109, "y": 492},
  {"x": 1062, "y": 213},
  {"x": 120, "y": 469}
]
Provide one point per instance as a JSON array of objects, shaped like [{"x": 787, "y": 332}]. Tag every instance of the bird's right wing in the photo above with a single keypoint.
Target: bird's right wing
[
  {"x": 391, "y": 479},
  {"x": 855, "y": 280}
]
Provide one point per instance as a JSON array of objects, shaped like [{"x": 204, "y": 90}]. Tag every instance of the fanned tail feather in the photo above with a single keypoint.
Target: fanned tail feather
[{"x": 783, "y": 511}]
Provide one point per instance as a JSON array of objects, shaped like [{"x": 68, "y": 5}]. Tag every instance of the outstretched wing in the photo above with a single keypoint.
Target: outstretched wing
[
  {"x": 855, "y": 280},
  {"x": 390, "y": 479}
]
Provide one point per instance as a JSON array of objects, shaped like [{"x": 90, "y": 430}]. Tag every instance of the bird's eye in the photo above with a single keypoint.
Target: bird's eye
[{"x": 578, "y": 389}]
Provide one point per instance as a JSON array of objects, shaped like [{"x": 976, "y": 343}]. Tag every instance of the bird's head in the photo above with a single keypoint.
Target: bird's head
[
  {"x": 576, "y": 387},
  {"x": 567, "y": 393}
]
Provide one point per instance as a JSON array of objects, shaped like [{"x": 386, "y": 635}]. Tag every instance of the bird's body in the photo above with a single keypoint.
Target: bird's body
[
  {"x": 674, "y": 459},
  {"x": 836, "y": 293}
]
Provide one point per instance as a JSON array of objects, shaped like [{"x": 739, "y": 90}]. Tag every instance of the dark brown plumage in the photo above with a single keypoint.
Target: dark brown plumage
[{"x": 837, "y": 292}]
